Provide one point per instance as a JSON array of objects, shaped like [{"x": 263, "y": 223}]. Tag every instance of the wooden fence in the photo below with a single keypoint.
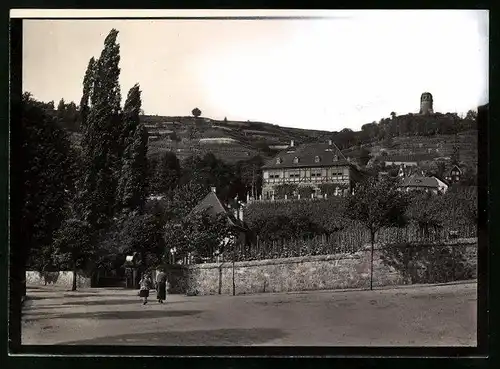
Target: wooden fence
[{"x": 346, "y": 241}]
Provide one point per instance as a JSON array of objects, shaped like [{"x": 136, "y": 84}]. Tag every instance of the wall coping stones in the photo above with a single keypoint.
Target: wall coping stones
[
  {"x": 457, "y": 242},
  {"x": 295, "y": 260}
]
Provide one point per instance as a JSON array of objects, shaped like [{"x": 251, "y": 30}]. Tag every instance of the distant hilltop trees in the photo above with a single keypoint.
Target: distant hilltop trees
[{"x": 406, "y": 125}]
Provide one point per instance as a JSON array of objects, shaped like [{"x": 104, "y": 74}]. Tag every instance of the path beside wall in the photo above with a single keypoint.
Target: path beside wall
[
  {"x": 341, "y": 271},
  {"x": 59, "y": 279}
]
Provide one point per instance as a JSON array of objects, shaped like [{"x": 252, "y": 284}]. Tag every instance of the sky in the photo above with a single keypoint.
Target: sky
[{"x": 328, "y": 73}]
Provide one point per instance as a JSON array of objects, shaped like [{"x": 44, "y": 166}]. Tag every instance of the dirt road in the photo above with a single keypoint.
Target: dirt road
[{"x": 408, "y": 316}]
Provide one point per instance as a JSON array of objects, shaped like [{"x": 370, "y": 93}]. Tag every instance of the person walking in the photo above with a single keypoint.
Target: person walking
[
  {"x": 161, "y": 285},
  {"x": 145, "y": 285}
]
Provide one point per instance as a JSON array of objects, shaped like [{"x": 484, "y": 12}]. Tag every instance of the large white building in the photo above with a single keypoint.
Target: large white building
[{"x": 309, "y": 165}]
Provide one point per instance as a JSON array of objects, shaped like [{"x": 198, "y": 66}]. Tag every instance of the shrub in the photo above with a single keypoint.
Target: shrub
[
  {"x": 428, "y": 263},
  {"x": 314, "y": 217}
]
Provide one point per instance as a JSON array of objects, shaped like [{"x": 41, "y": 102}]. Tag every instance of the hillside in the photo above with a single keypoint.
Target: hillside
[
  {"x": 237, "y": 140},
  {"x": 435, "y": 134},
  {"x": 228, "y": 140}
]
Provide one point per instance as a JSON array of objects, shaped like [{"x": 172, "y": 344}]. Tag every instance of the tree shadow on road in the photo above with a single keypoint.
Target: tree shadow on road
[
  {"x": 73, "y": 295},
  {"x": 215, "y": 337},
  {"x": 104, "y": 302},
  {"x": 145, "y": 314}
]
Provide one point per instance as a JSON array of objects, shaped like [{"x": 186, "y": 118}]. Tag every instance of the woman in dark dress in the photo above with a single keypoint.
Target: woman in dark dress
[{"x": 161, "y": 286}]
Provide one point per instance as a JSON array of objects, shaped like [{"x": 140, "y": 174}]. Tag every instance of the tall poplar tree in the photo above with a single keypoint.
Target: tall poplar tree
[
  {"x": 132, "y": 184},
  {"x": 100, "y": 144},
  {"x": 88, "y": 84}
]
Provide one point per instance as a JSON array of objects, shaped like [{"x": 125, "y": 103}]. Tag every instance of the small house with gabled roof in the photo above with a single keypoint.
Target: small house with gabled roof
[
  {"x": 424, "y": 184},
  {"x": 214, "y": 206},
  {"x": 454, "y": 174}
]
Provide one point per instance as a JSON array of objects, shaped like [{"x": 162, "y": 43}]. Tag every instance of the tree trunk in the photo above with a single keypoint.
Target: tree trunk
[
  {"x": 372, "y": 239},
  {"x": 73, "y": 288}
]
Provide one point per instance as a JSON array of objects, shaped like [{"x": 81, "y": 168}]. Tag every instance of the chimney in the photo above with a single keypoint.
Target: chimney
[
  {"x": 291, "y": 143},
  {"x": 329, "y": 142},
  {"x": 213, "y": 189}
]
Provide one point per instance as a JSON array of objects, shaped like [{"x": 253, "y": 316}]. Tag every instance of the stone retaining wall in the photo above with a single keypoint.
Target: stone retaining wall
[
  {"x": 341, "y": 271},
  {"x": 59, "y": 279}
]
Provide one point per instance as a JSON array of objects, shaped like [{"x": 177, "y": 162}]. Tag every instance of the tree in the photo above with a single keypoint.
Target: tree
[
  {"x": 199, "y": 233},
  {"x": 376, "y": 204},
  {"x": 74, "y": 245},
  {"x": 46, "y": 171},
  {"x": 471, "y": 115},
  {"x": 250, "y": 174},
  {"x": 328, "y": 189},
  {"x": 142, "y": 233},
  {"x": 206, "y": 232},
  {"x": 287, "y": 189},
  {"x": 185, "y": 198},
  {"x": 130, "y": 117},
  {"x": 441, "y": 170},
  {"x": 101, "y": 139},
  {"x": 364, "y": 156},
  {"x": 393, "y": 115},
  {"x": 88, "y": 84},
  {"x": 209, "y": 171},
  {"x": 196, "y": 112},
  {"x": 455, "y": 156},
  {"x": 167, "y": 173},
  {"x": 426, "y": 211},
  {"x": 61, "y": 110},
  {"x": 305, "y": 191},
  {"x": 132, "y": 183}
]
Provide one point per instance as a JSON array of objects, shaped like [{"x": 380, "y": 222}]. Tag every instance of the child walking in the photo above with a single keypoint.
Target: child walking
[{"x": 145, "y": 285}]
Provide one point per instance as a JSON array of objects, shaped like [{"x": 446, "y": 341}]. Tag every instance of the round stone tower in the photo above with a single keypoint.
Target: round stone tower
[{"x": 426, "y": 103}]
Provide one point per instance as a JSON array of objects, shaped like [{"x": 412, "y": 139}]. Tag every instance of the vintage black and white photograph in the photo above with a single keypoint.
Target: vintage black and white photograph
[{"x": 292, "y": 180}]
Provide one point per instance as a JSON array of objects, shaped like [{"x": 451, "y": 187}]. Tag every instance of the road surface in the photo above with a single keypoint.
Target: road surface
[{"x": 406, "y": 316}]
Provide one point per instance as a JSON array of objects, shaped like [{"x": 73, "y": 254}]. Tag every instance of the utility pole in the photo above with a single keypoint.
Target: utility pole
[{"x": 234, "y": 257}]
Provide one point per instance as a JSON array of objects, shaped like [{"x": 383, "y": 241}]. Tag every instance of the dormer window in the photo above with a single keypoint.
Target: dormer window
[
  {"x": 296, "y": 160},
  {"x": 336, "y": 158},
  {"x": 279, "y": 160},
  {"x": 317, "y": 159}
]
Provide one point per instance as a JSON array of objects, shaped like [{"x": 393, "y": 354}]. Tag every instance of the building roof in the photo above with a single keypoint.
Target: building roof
[
  {"x": 455, "y": 167},
  {"x": 214, "y": 206},
  {"x": 409, "y": 158},
  {"x": 211, "y": 203},
  {"x": 306, "y": 155},
  {"x": 419, "y": 181}
]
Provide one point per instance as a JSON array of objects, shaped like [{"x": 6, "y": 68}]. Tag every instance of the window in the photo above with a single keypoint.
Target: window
[
  {"x": 317, "y": 159},
  {"x": 274, "y": 175},
  {"x": 295, "y": 160},
  {"x": 294, "y": 175}
]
